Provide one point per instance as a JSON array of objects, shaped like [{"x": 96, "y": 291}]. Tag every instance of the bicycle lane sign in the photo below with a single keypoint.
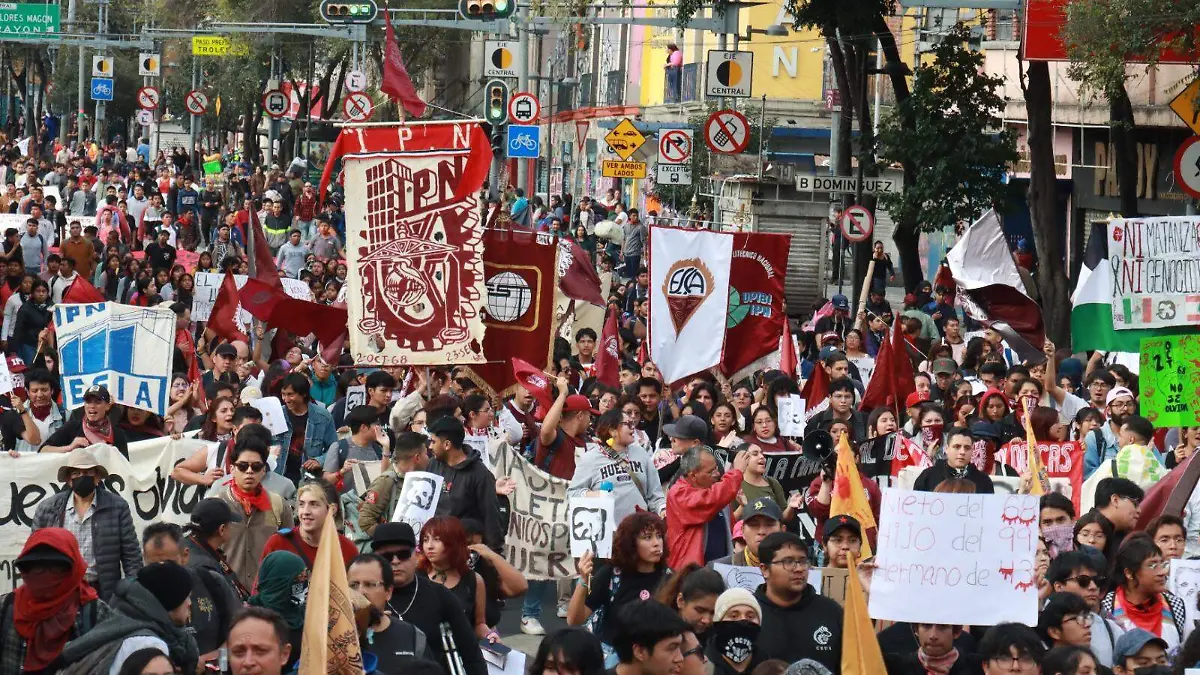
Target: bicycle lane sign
[{"x": 524, "y": 141}]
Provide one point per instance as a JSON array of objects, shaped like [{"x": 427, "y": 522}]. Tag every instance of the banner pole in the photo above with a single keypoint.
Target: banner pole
[{"x": 862, "y": 297}]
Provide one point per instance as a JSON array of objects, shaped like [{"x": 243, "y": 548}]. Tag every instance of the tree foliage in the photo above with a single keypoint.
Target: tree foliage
[{"x": 947, "y": 131}]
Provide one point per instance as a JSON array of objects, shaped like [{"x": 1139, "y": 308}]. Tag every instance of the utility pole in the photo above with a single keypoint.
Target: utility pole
[
  {"x": 272, "y": 123},
  {"x": 99, "y": 131},
  {"x": 523, "y": 31},
  {"x": 194, "y": 129}
]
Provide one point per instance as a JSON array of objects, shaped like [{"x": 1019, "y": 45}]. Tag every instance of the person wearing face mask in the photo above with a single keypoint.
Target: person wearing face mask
[
  {"x": 1139, "y": 652},
  {"x": 99, "y": 519},
  {"x": 283, "y": 587},
  {"x": 956, "y": 464},
  {"x": 53, "y": 604},
  {"x": 730, "y": 641},
  {"x": 936, "y": 654}
]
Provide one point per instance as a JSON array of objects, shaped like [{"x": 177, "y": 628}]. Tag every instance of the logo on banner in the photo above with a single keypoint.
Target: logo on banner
[
  {"x": 751, "y": 303},
  {"x": 688, "y": 284},
  {"x": 509, "y": 297}
]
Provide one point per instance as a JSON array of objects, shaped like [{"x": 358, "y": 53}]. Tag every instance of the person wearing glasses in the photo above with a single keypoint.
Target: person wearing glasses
[
  {"x": 393, "y": 641},
  {"x": 1066, "y": 620},
  {"x": 1103, "y": 444},
  {"x": 265, "y": 512},
  {"x": 1116, "y": 509},
  {"x": 1011, "y": 649},
  {"x": 1078, "y": 572},
  {"x": 1141, "y": 599},
  {"x": 797, "y": 621},
  {"x": 430, "y": 607}
]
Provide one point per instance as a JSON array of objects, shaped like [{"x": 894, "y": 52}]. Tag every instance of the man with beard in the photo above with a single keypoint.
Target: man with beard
[
  {"x": 99, "y": 519},
  {"x": 93, "y": 427},
  {"x": 1103, "y": 443}
]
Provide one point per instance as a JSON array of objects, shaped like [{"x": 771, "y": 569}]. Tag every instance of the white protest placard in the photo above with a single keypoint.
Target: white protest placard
[
  {"x": 1154, "y": 273},
  {"x": 356, "y": 395},
  {"x": 361, "y": 474},
  {"x": 593, "y": 522},
  {"x": 955, "y": 558},
  {"x": 1185, "y": 583},
  {"x": 791, "y": 416},
  {"x": 538, "y": 543},
  {"x": 272, "y": 413},
  {"x": 513, "y": 663},
  {"x": 208, "y": 285},
  {"x": 6, "y": 378},
  {"x": 418, "y": 499}
]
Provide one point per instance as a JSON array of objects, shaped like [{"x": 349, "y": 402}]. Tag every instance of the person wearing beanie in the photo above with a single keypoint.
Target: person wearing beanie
[
  {"x": 154, "y": 604},
  {"x": 736, "y": 620}
]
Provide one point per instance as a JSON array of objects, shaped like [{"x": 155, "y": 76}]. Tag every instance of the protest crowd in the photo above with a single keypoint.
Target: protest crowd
[{"x": 733, "y": 517}]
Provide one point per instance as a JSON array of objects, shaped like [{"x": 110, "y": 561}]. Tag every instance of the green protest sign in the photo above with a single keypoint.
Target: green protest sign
[
  {"x": 212, "y": 167},
  {"x": 1169, "y": 396}
]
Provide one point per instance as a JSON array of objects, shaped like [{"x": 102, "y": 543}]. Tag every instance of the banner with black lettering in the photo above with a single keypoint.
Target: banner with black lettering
[{"x": 538, "y": 541}]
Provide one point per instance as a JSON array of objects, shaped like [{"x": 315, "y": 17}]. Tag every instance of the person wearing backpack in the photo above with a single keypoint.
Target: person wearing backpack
[
  {"x": 34, "y": 248},
  {"x": 365, "y": 444},
  {"x": 32, "y": 630},
  {"x": 265, "y": 512},
  {"x": 379, "y": 502}
]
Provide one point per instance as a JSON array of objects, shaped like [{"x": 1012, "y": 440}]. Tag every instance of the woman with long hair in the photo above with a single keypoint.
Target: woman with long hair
[
  {"x": 1046, "y": 425},
  {"x": 444, "y": 558},
  {"x": 634, "y": 572},
  {"x": 1141, "y": 599},
  {"x": 182, "y": 408},
  {"x": 724, "y": 422},
  {"x": 764, "y": 432},
  {"x": 479, "y": 420},
  {"x": 633, "y": 487},
  {"x": 186, "y": 288},
  {"x": 1091, "y": 530},
  {"x": 110, "y": 277},
  {"x": 692, "y": 592},
  {"x": 205, "y": 263},
  {"x": 881, "y": 422},
  {"x": 314, "y": 500},
  {"x": 757, "y": 485},
  {"x": 218, "y": 422},
  {"x": 14, "y": 303},
  {"x": 140, "y": 425},
  {"x": 856, "y": 352},
  {"x": 1189, "y": 440},
  {"x": 282, "y": 586}
]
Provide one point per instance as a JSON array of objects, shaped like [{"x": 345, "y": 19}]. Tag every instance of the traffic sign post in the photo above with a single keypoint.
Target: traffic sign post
[
  {"x": 147, "y": 98},
  {"x": 102, "y": 89},
  {"x": 149, "y": 65},
  {"x": 145, "y": 117},
  {"x": 625, "y": 139},
  {"x": 727, "y": 132},
  {"x": 675, "y": 146},
  {"x": 357, "y": 107},
  {"x": 614, "y": 169},
  {"x": 356, "y": 80},
  {"x": 856, "y": 223},
  {"x": 275, "y": 103},
  {"x": 524, "y": 141},
  {"x": 524, "y": 108},
  {"x": 1187, "y": 166},
  {"x": 729, "y": 74},
  {"x": 196, "y": 102}
]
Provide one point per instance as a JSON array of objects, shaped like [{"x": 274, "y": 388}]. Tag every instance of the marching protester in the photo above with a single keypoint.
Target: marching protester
[{"x": 281, "y": 586}]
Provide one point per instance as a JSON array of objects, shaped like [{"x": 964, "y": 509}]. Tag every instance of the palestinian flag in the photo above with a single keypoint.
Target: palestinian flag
[{"x": 1091, "y": 305}]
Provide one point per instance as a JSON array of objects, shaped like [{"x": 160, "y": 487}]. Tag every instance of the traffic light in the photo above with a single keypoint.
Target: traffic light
[
  {"x": 486, "y": 9},
  {"x": 495, "y": 109},
  {"x": 360, "y": 11}
]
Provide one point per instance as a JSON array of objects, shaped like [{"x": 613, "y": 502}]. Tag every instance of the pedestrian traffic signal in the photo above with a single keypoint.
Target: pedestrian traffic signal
[
  {"x": 496, "y": 102},
  {"x": 361, "y": 11},
  {"x": 486, "y": 9}
]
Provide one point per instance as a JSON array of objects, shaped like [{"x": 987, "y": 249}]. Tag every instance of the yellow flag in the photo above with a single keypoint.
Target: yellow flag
[
  {"x": 1034, "y": 462},
  {"x": 860, "y": 648},
  {"x": 849, "y": 497},
  {"x": 330, "y": 637}
]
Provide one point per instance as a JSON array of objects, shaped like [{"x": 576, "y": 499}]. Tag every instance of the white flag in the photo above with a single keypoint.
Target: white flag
[
  {"x": 689, "y": 299},
  {"x": 982, "y": 257},
  {"x": 23, "y": 146}
]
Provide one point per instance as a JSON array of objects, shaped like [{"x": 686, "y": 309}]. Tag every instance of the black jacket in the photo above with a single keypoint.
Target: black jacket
[
  {"x": 437, "y": 606},
  {"x": 809, "y": 629},
  {"x": 934, "y": 475},
  {"x": 469, "y": 491},
  {"x": 114, "y": 541},
  {"x": 31, "y": 319},
  {"x": 73, "y": 428}
]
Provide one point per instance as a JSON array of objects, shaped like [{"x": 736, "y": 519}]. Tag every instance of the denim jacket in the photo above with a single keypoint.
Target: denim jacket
[{"x": 319, "y": 434}]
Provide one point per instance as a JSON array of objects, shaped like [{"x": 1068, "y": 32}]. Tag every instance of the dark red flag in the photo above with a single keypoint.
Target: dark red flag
[
  {"x": 223, "y": 319},
  {"x": 579, "y": 281},
  {"x": 264, "y": 263},
  {"x": 893, "y": 379},
  {"x": 787, "y": 352},
  {"x": 756, "y": 315},
  {"x": 1010, "y": 313},
  {"x": 536, "y": 382},
  {"x": 608, "y": 358},
  {"x": 396, "y": 82},
  {"x": 80, "y": 292},
  {"x": 300, "y": 317},
  {"x": 816, "y": 391}
]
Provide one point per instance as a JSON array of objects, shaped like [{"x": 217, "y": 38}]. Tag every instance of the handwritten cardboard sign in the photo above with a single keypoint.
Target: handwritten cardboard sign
[
  {"x": 418, "y": 499},
  {"x": 593, "y": 522},
  {"x": 956, "y": 558},
  {"x": 1169, "y": 396}
]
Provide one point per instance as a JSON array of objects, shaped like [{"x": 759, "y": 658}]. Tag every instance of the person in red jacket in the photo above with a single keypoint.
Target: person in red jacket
[{"x": 696, "y": 505}]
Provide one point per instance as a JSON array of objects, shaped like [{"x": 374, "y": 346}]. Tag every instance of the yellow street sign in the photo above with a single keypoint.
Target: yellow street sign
[
  {"x": 1187, "y": 105},
  {"x": 215, "y": 45},
  {"x": 625, "y": 140},
  {"x": 613, "y": 169}
]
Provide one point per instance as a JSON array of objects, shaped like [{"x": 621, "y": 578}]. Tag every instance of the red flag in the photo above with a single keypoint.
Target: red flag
[
  {"x": 756, "y": 314},
  {"x": 396, "y": 82},
  {"x": 264, "y": 264},
  {"x": 223, "y": 319},
  {"x": 642, "y": 354},
  {"x": 301, "y": 317},
  {"x": 816, "y": 391},
  {"x": 787, "y": 352},
  {"x": 535, "y": 381},
  {"x": 580, "y": 281},
  {"x": 80, "y": 291},
  {"x": 331, "y": 351},
  {"x": 893, "y": 380},
  {"x": 608, "y": 359},
  {"x": 194, "y": 374}
]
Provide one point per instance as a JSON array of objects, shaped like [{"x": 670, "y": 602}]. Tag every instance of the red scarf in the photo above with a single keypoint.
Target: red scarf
[
  {"x": 937, "y": 665},
  {"x": 1148, "y": 615},
  {"x": 47, "y": 623},
  {"x": 40, "y": 412},
  {"x": 258, "y": 500},
  {"x": 101, "y": 432}
]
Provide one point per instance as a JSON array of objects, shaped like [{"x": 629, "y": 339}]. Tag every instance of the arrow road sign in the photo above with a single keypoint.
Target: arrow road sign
[
  {"x": 147, "y": 98},
  {"x": 275, "y": 103},
  {"x": 524, "y": 108},
  {"x": 196, "y": 102},
  {"x": 857, "y": 224},
  {"x": 675, "y": 146},
  {"x": 727, "y": 132},
  {"x": 357, "y": 107},
  {"x": 1187, "y": 166}
]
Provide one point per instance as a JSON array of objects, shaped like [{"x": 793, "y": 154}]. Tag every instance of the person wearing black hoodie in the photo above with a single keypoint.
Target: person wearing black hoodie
[
  {"x": 468, "y": 488},
  {"x": 956, "y": 464},
  {"x": 797, "y": 621}
]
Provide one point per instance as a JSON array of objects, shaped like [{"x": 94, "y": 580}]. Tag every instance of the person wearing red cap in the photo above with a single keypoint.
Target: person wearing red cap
[{"x": 563, "y": 432}]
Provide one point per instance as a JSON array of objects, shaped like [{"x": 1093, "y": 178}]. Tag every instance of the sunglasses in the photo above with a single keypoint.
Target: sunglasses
[
  {"x": 251, "y": 467},
  {"x": 401, "y": 554},
  {"x": 1085, "y": 580}
]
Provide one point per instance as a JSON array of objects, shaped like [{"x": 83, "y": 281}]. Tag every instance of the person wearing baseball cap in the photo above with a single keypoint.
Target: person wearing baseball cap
[
  {"x": 1119, "y": 406},
  {"x": 208, "y": 531},
  {"x": 1140, "y": 651},
  {"x": 94, "y": 426},
  {"x": 839, "y": 321},
  {"x": 564, "y": 431},
  {"x": 841, "y": 536},
  {"x": 760, "y": 517}
]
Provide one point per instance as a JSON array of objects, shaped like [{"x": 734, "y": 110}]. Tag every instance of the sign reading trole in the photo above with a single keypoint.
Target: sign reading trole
[
  {"x": 1187, "y": 166},
  {"x": 728, "y": 74},
  {"x": 147, "y": 98},
  {"x": 149, "y": 65},
  {"x": 102, "y": 66},
  {"x": 499, "y": 58},
  {"x": 357, "y": 107},
  {"x": 524, "y": 108},
  {"x": 196, "y": 102},
  {"x": 356, "y": 80},
  {"x": 275, "y": 103},
  {"x": 625, "y": 139},
  {"x": 727, "y": 132},
  {"x": 673, "y": 174},
  {"x": 674, "y": 146},
  {"x": 857, "y": 223}
]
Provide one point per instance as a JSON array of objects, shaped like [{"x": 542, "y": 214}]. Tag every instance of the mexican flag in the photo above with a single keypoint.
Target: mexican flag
[{"x": 1091, "y": 305}]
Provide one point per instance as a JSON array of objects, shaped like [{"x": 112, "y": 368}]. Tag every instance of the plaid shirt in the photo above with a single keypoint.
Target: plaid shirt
[{"x": 82, "y": 529}]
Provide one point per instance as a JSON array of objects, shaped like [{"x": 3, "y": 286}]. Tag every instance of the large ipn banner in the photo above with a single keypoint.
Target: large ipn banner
[
  {"x": 1155, "y": 271},
  {"x": 126, "y": 349}
]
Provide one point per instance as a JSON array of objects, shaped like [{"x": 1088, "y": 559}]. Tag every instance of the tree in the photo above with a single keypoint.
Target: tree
[{"x": 946, "y": 131}]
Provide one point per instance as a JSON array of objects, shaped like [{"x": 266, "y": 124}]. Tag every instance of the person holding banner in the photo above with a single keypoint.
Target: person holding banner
[{"x": 94, "y": 426}]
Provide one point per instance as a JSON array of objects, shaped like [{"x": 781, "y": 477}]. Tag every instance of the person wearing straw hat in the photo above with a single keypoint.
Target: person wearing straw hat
[{"x": 99, "y": 519}]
